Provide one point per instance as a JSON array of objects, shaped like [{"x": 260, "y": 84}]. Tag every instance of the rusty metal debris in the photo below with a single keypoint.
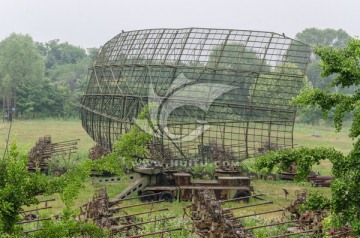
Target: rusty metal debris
[
  {"x": 97, "y": 151},
  {"x": 105, "y": 213},
  {"x": 312, "y": 220},
  {"x": 307, "y": 220},
  {"x": 315, "y": 178},
  {"x": 33, "y": 216},
  {"x": 157, "y": 232},
  {"x": 343, "y": 232},
  {"x": 45, "y": 151},
  {"x": 268, "y": 225},
  {"x": 294, "y": 207},
  {"x": 212, "y": 221},
  {"x": 257, "y": 196},
  {"x": 259, "y": 213},
  {"x": 322, "y": 181}
]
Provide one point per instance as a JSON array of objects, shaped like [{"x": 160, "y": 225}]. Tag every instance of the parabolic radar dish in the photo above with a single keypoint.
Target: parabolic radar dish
[{"x": 210, "y": 91}]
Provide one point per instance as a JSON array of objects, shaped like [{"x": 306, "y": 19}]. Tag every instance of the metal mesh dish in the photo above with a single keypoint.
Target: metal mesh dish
[{"x": 212, "y": 92}]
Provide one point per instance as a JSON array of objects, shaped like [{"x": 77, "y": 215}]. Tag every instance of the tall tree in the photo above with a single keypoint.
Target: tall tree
[
  {"x": 344, "y": 205},
  {"x": 21, "y": 66},
  {"x": 61, "y": 53},
  {"x": 317, "y": 37},
  {"x": 67, "y": 68},
  {"x": 344, "y": 65},
  {"x": 320, "y": 37}
]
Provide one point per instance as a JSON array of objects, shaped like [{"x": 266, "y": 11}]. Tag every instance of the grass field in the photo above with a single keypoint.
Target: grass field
[{"x": 26, "y": 133}]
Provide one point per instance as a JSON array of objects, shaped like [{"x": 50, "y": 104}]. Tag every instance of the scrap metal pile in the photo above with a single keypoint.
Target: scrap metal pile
[
  {"x": 32, "y": 216},
  {"x": 107, "y": 213},
  {"x": 312, "y": 220},
  {"x": 315, "y": 179},
  {"x": 97, "y": 151},
  {"x": 211, "y": 220},
  {"x": 44, "y": 151},
  {"x": 208, "y": 215}
]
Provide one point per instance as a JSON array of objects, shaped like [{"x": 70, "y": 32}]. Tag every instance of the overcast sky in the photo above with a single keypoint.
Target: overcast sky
[{"x": 91, "y": 23}]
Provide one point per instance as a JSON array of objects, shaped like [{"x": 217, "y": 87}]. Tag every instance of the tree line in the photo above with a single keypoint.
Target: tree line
[
  {"x": 41, "y": 79},
  {"x": 47, "y": 79}
]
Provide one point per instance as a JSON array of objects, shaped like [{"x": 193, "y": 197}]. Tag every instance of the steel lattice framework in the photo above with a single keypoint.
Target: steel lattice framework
[{"x": 235, "y": 84}]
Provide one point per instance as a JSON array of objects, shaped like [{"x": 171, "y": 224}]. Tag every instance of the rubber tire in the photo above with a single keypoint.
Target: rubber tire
[
  {"x": 152, "y": 196},
  {"x": 167, "y": 196},
  {"x": 241, "y": 194}
]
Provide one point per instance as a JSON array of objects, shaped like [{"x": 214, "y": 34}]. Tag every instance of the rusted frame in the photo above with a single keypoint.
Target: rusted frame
[
  {"x": 36, "y": 220},
  {"x": 142, "y": 196},
  {"x": 259, "y": 213},
  {"x": 139, "y": 213},
  {"x": 117, "y": 228},
  {"x": 30, "y": 231},
  {"x": 134, "y": 65},
  {"x": 135, "y": 205},
  {"x": 268, "y": 225},
  {"x": 242, "y": 198},
  {"x": 251, "y": 205},
  {"x": 36, "y": 209}
]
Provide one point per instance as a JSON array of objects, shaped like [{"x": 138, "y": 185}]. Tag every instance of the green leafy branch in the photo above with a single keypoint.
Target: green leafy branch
[{"x": 304, "y": 158}]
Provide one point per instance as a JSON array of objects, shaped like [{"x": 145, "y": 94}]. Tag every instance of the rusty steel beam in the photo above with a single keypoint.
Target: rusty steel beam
[
  {"x": 46, "y": 154},
  {"x": 242, "y": 198},
  {"x": 155, "y": 233},
  {"x": 140, "y": 213},
  {"x": 35, "y": 220},
  {"x": 267, "y": 225},
  {"x": 126, "y": 199},
  {"x": 251, "y": 205},
  {"x": 135, "y": 205},
  {"x": 36, "y": 209},
  {"x": 30, "y": 231},
  {"x": 260, "y": 213},
  {"x": 66, "y": 141},
  {"x": 48, "y": 200},
  {"x": 116, "y": 228}
]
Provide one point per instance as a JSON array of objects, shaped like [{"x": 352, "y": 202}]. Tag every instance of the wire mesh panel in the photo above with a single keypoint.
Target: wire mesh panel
[{"x": 208, "y": 90}]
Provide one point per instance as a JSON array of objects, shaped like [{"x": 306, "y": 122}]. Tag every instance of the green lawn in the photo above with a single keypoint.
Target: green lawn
[
  {"x": 26, "y": 133},
  {"x": 316, "y": 136}
]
